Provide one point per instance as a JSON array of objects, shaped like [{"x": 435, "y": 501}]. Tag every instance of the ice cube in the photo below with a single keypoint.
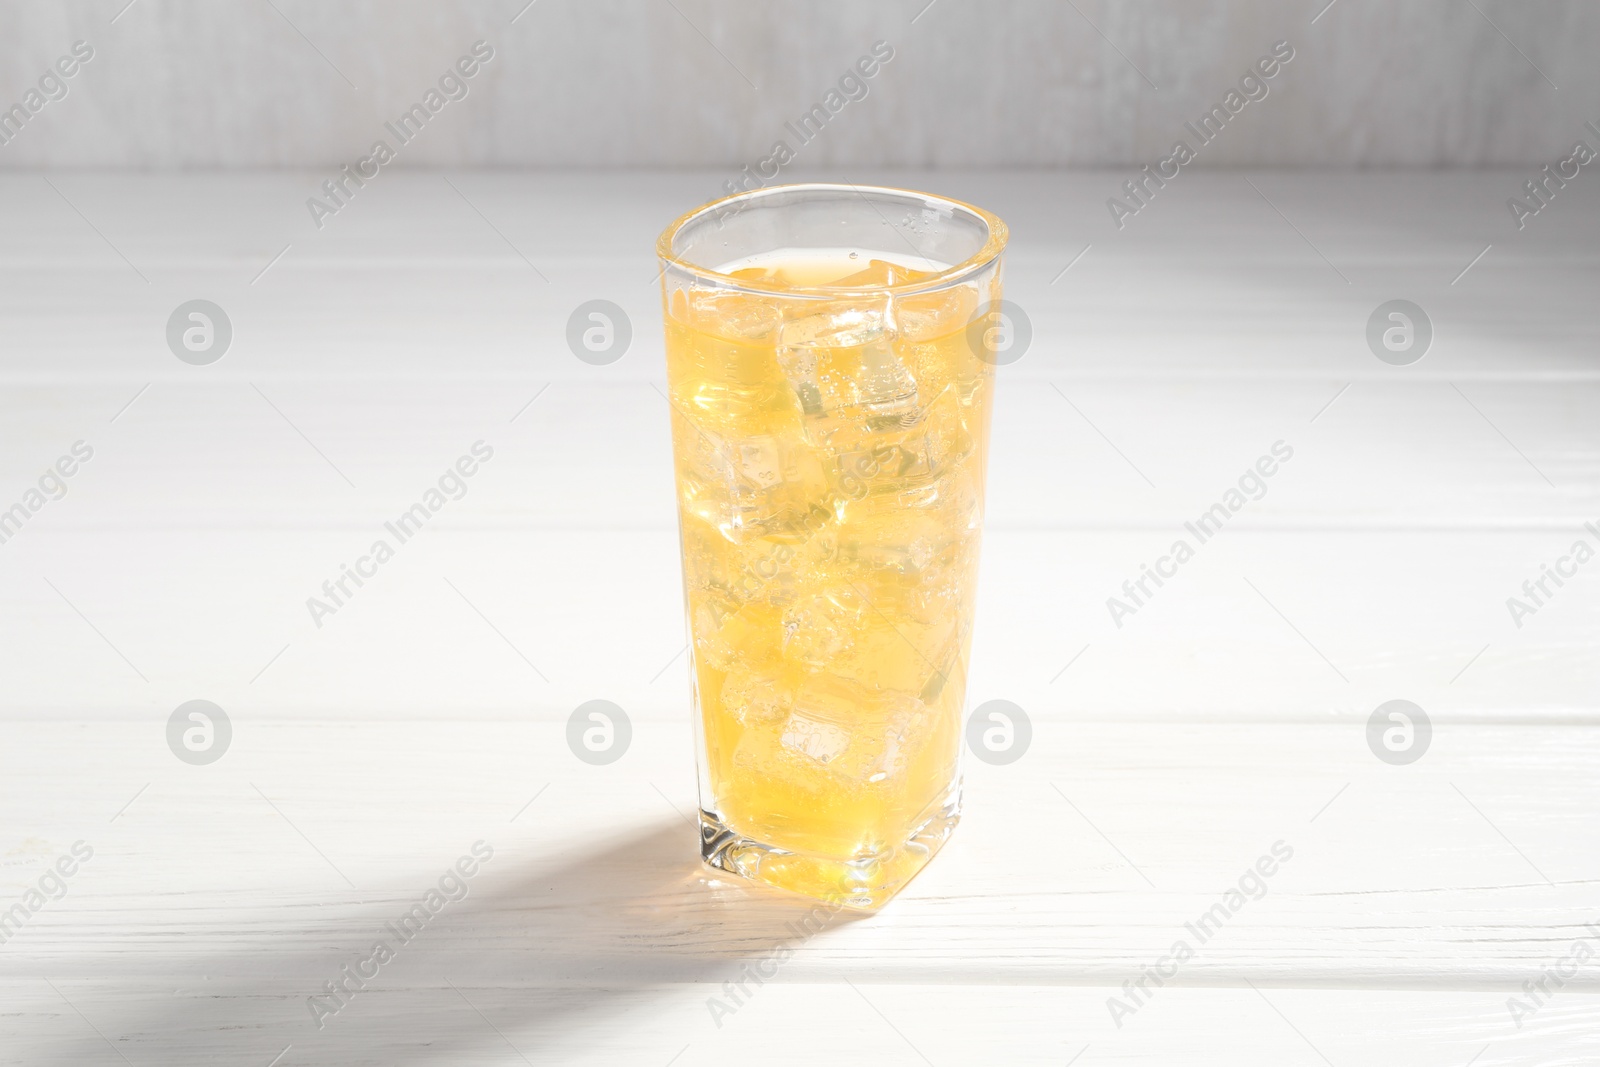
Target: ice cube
[
  {"x": 754, "y": 485},
  {"x": 742, "y": 640},
  {"x": 808, "y": 356},
  {"x": 878, "y": 538},
  {"x": 755, "y": 700},
  {"x": 907, "y": 456},
  {"x": 828, "y": 733},
  {"x": 953, "y": 494},
  {"x": 802, "y": 367},
  {"x": 879, "y": 727},
  {"x": 887, "y": 391},
  {"x": 819, "y": 625},
  {"x": 834, "y": 325},
  {"x": 722, "y": 576},
  {"x": 839, "y": 359},
  {"x": 759, "y": 462},
  {"x": 731, "y": 314},
  {"x": 929, "y": 316},
  {"x": 820, "y": 741}
]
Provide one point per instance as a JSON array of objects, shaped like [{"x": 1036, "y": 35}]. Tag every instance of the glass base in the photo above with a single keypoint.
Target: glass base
[{"x": 865, "y": 883}]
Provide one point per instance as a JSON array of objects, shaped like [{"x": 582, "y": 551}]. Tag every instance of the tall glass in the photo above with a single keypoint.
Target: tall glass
[{"x": 830, "y": 392}]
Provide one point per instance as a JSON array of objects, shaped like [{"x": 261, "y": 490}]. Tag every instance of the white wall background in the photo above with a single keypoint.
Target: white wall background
[{"x": 651, "y": 83}]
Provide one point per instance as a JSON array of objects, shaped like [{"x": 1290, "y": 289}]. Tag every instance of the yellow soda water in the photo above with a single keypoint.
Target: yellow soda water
[{"x": 830, "y": 461}]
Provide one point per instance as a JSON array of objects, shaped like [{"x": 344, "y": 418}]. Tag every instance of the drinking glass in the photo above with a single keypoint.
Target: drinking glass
[{"x": 830, "y": 367}]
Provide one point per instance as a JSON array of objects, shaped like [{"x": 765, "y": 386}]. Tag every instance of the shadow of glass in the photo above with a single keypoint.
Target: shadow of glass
[{"x": 533, "y": 956}]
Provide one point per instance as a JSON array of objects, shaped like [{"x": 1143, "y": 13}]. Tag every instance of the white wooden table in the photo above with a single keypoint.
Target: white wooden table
[{"x": 429, "y": 712}]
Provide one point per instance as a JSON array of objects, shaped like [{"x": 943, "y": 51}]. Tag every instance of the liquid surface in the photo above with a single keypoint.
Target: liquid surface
[
  {"x": 842, "y": 268},
  {"x": 830, "y": 468}
]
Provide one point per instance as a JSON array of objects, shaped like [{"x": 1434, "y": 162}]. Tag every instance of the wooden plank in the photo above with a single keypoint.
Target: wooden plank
[
  {"x": 1081, "y": 862},
  {"x": 216, "y": 901},
  {"x": 423, "y": 1020}
]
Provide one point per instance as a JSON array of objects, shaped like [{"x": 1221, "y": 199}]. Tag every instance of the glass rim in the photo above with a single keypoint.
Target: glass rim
[{"x": 996, "y": 236}]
